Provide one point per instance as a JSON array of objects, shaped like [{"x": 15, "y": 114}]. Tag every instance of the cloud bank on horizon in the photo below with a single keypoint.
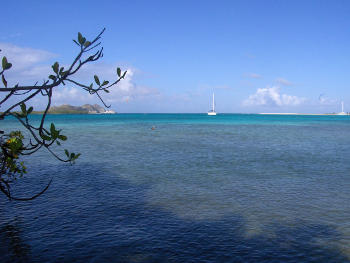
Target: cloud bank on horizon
[
  {"x": 30, "y": 65},
  {"x": 271, "y": 96},
  {"x": 125, "y": 91}
]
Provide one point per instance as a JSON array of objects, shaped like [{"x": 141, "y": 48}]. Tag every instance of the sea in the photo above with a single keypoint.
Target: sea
[{"x": 185, "y": 188}]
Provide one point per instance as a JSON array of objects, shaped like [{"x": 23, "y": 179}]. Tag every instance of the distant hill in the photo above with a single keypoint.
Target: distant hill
[{"x": 85, "y": 109}]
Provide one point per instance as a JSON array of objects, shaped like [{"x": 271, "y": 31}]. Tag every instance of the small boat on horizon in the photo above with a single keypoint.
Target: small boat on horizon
[
  {"x": 212, "y": 111},
  {"x": 342, "y": 109}
]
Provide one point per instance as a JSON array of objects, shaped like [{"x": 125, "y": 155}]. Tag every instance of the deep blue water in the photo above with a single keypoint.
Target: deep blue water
[{"x": 198, "y": 188}]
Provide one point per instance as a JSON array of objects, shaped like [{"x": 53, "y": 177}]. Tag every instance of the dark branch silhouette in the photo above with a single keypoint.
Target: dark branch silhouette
[{"x": 13, "y": 144}]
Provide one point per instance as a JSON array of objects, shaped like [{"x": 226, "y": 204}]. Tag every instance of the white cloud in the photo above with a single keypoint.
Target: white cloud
[
  {"x": 64, "y": 93},
  {"x": 283, "y": 82},
  {"x": 31, "y": 65},
  {"x": 271, "y": 96},
  {"x": 26, "y": 63},
  {"x": 126, "y": 90},
  {"x": 22, "y": 57}
]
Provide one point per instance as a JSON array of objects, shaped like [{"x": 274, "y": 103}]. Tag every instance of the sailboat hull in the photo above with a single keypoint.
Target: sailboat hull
[{"x": 212, "y": 112}]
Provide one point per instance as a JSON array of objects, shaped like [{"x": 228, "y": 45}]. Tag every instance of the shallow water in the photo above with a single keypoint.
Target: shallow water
[{"x": 198, "y": 188}]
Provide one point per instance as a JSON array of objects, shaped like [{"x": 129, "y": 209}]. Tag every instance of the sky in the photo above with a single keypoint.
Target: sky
[{"x": 256, "y": 56}]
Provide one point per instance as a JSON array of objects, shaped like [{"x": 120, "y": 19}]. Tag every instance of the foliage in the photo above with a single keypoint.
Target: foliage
[{"x": 13, "y": 144}]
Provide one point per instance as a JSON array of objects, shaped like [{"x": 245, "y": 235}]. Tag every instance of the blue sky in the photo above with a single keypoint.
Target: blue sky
[{"x": 257, "y": 56}]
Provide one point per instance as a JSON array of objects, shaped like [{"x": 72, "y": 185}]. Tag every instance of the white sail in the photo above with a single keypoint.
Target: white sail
[
  {"x": 342, "y": 109},
  {"x": 212, "y": 112}
]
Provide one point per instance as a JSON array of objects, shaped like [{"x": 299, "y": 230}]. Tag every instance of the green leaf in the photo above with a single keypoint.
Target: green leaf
[
  {"x": 4, "y": 62},
  {"x": 63, "y": 73},
  {"x": 106, "y": 90},
  {"x": 52, "y": 128},
  {"x": 29, "y": 111},
  {"x": 54, "y": 132},
  {"x": 119, "y": 72},
  {"x": 66, "y": 152},
  {"x": 8, "y": 66},
  {"x": 45, "y": 137},
  {"x": 62, "y": 137},
  {"x": 53, "y": 77},
  {"x": 73, "y": 157},
  {"x": 23, "y": 108},
  {"x": 58, "y": 143},
  {"x": 87, "y": 43},
  {"x": 55, "y": 67},
  {"x": 81, "y": 39},
  {"x": 105, "y": 82},
  {"x": 97, "y": 80},
  {"x": 4, "y": 80}
]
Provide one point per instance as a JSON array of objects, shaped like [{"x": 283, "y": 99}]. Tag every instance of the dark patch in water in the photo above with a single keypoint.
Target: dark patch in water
[{"x": 90, "y": 216}]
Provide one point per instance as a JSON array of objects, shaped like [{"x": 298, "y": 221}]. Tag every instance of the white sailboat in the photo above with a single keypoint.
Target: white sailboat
[
  {"x": 212, "y": 111},
  {"x": 342, "y": 109}
]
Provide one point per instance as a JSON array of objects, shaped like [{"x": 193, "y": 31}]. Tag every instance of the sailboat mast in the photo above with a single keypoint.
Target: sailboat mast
[
  {"x": 213, "y": 103},
  {"x": 212, "y": 111}
]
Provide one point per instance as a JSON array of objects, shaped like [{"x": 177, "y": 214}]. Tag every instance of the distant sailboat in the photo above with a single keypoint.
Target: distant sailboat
[
  {"x": 212, "y": 111},
  {"x": 342, "y": 109}
]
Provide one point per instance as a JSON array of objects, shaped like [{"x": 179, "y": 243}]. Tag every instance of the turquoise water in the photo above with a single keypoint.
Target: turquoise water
[{"x": 198, "y": 188}]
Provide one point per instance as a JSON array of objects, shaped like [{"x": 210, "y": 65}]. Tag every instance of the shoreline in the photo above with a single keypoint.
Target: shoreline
[{"x": 317, "y": 114}]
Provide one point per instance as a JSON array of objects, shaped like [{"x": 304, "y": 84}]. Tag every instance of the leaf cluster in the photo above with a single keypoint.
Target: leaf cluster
[{"x": 14, "y": 144}]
